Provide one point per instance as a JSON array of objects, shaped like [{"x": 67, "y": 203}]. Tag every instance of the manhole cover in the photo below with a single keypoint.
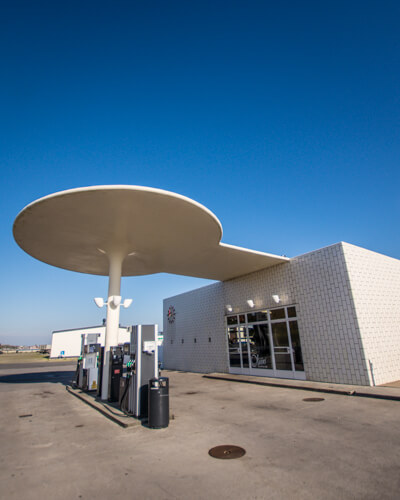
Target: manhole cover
[
  {"x": 313, "y": 400},
  {"x": 226, "y": 451}
]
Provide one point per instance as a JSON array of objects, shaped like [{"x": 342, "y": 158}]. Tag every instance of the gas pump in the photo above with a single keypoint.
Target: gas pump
[
  {"x": 140, "y": 365},
  {"x": 90, "y": 364},
  {"x": 87, "y": 369},
  {"x": 128, "y": 369},
  {"x": 100, "y": 371},
  {"x": 116, "y": 365}
]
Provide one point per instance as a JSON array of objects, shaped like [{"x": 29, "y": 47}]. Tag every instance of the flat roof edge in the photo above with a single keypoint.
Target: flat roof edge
[
  {"x": 282, "y": 258},
  {"x": 83, "y": 328}
]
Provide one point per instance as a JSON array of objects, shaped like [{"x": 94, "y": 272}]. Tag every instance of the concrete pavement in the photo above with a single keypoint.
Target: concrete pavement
[{"x": 55, "y": 446}]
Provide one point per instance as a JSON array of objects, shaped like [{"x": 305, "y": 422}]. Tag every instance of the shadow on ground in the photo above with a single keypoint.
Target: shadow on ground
[{"x": 57, "y": 377}]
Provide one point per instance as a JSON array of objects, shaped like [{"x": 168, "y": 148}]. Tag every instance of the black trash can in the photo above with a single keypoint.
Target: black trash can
[{"x": 158, "y": 403}]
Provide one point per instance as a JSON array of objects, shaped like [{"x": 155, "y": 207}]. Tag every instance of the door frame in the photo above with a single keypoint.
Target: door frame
[{"x": 260, "y": 372}]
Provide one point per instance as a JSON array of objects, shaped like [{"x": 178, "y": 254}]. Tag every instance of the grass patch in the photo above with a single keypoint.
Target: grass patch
[{"x": 30, "y": 357}]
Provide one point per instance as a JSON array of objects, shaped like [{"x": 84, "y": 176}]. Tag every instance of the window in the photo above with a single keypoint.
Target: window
[
  {"x": 265, "y": 342},
  {"x": 257, "y": 316},
  {"x": 277, "y": 313},
  {"x": 231, "y": 320}
]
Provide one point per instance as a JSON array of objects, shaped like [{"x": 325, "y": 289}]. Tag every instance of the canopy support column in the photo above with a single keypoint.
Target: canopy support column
[{"x": 112, "y": 325}]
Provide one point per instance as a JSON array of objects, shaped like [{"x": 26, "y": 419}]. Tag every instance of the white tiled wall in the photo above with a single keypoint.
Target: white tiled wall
[
  {"x": 327, "y": 321},
  {"x": 317, "y": 283},
  {"x": 375, "y": 283},
  {"x": 200, "y": 316}
]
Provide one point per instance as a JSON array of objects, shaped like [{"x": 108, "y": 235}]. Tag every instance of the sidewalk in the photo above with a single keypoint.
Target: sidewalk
[{"x": 391, "y": 392}]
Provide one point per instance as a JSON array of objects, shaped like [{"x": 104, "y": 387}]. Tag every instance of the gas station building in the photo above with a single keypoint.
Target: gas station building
[{"x": 331, "y": 315}]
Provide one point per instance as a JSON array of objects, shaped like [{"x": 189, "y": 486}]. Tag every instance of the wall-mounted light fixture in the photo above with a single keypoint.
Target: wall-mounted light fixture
[
  {"x": 228, "y": 308},
  {"x": 250, "y": 303},
  {"x": 276, "y": 299}
]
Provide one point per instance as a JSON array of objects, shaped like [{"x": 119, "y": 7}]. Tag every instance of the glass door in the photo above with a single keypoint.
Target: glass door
[
  {"x": 234, "y": 348},
  {"x": 244, "y": 347},
  {"x": 265, "y": 343},
  {"x": 282, "y": 348},
  {"x": 238, "y": 348},
  {"x": 260, "y": 347}
]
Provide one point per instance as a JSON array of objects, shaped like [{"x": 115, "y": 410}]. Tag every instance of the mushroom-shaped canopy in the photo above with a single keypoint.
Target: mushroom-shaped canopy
[{"x": 156, "y": 230}]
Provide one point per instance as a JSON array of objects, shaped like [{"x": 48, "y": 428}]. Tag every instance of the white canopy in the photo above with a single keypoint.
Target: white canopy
[{"x": 157, "y": 231}]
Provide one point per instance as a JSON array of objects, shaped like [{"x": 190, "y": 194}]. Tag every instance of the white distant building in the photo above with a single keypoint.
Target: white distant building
[{"x": 67, "y": 343}]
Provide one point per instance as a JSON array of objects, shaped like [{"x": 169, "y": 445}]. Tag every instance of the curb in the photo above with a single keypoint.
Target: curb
[{"x": 305, "y": 388}]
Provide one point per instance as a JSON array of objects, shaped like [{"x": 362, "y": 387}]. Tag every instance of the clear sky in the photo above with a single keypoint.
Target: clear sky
[{"x": 281, "y": 117}]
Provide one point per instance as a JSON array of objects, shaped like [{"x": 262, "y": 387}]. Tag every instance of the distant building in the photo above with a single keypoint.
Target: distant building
[{"x": 67, "y": 343}]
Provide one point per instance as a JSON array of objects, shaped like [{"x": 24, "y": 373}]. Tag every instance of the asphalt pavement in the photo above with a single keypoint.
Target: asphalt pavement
[{"x": 37, "y": 364}]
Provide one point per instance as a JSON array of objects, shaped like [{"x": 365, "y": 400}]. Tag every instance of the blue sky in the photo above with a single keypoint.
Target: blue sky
[{"x": 280, "y": 117}]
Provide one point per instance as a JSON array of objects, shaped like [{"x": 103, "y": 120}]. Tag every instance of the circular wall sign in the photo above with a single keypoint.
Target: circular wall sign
[{"x": 171, "y": 314}]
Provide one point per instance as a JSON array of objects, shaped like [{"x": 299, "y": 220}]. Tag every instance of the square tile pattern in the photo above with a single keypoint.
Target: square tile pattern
[{"x": 348, "y": 308}]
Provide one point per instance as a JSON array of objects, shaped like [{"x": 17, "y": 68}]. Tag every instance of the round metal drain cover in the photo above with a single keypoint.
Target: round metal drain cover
[
  {"x": 227, "y": 451},
  {"x": 313, "y": 399}
]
